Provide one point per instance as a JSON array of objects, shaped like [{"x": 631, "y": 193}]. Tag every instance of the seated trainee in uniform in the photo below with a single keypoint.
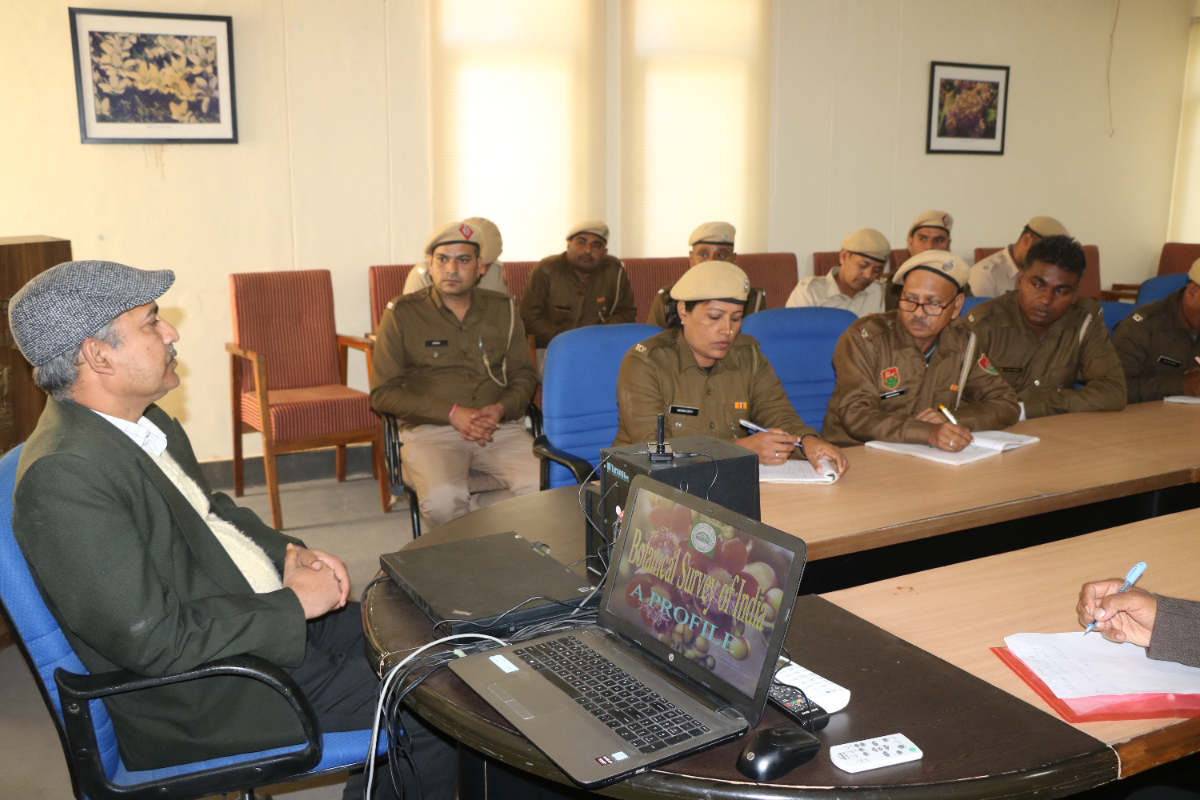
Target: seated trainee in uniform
[
  {"x": 704, "y": 376},
  {"x": 452, "y": 364},
  {"x": 997, "y": 274},
  {"x": 895, "y": 369},
  {"x": 929, "y": 231},
  {"x": 491, "y": 268},
  {"x": 1044, "y": 338},
  {"x": 1159, "y": 342},
  {"x": 853, "y": 284},
  {"x": 712, "y": 241}
]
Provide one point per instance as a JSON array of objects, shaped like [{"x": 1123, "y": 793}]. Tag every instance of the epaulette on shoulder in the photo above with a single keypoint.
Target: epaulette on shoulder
[
  {"x": 872, "y": 325},
  {"x": 411, "y": 297},
  {"x": 655, "y": 342},
  {"x": 1088, "y": 306}
]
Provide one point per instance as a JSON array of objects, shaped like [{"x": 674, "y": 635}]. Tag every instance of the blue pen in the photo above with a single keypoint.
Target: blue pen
[
  {"x": 751, "y": 426},
  {"x": 1130, "y": 580}
]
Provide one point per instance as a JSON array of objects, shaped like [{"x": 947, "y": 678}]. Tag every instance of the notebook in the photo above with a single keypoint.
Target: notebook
[
  {"x": 794, "y": 471},
  {"x": 1182, "y": 398},
  {"x": 690, "y": 626},
  {"x": 986, "y": 445}
]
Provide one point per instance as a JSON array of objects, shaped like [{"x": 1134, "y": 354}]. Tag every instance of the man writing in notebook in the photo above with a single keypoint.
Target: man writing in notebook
[
  {"x": 1167, "y": 627},
  {"x": 896, "y": 370}
]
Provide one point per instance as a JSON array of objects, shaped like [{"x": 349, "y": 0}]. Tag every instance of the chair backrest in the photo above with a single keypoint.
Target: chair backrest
[
  {"x": 288, "y": 317},
  {"x": 895, "y": 259},
  {"x": 983, "y": 252},
  {"x": 516, "y": 273},
  {"x": 579, "y": 390},
  {"x": 799, "y": 344},
  {"x": 385, "y": 282},
  {"x": 823, "y": 263},
  {"x": 35, "y": 629},
  {"x": 648, "y": 275},
  {"x": 1089, "y": 284},
  {"x": 1160, "y": 286},
  {"x": 1113, "y": 314},
  {"x": 776, "y": 273},
  {"x": 971, "y": 302},
  {"x": 1177, "y": 257}
]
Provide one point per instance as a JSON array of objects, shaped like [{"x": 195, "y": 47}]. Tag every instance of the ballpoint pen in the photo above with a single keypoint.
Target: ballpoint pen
[
  {"x": 751, "y": 426},
  {"x": 1130, "y": 580},
  {"x": 950, "y": 417}
]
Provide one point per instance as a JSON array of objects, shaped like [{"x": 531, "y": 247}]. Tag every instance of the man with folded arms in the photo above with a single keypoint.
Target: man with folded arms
[
  {"x": 894, "y": 370},
  {"x": 1044, "y": 338},
  {"x": 853, "y": 284},
  {"x": 929, "y": 231},
  {"x": 1159, "y": 342},
  {"x": 711, "y": 241},
  {"x": 491, "y": 268},
  {"x": 452, "y": 364},
  {"x": 147, "y": 569},
  {"x": 998, "y": 273}
]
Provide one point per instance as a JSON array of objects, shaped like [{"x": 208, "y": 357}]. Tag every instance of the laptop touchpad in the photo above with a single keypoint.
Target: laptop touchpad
[{"x": 509, "y": 701}]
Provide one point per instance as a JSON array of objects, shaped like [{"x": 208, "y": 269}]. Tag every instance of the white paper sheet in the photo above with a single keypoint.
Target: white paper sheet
[
  {"x": 986, "y": 445},
  {"x": 794, "y": 471},
  {"x": 1182, "y": 398},
  {"x": 1074, "y": 665}
]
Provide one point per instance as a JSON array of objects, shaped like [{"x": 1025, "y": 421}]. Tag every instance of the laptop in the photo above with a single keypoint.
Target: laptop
[{"x": 690, "y": 626}]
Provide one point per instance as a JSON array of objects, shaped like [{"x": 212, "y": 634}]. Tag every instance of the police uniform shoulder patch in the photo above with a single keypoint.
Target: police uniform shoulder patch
[
  {"x": 890, "y": 378},
  {"x": 987, "y": 366}
]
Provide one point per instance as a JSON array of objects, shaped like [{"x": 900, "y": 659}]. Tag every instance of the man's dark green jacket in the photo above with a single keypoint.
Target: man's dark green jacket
[{"x": 138, "y": 581}]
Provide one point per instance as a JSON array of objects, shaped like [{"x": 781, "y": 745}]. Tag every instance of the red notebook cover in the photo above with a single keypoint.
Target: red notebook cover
[{"x": 1104, "y": 708}]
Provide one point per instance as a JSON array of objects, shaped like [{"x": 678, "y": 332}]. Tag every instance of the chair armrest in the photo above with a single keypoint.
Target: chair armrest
[
  {"x": 535, "y": 416},
  {"x": 580, "y": 469},
  {"x": 240, "y": 352},
  {"x": 358, "y": 343},
  {"x": 77, "y": 690}
]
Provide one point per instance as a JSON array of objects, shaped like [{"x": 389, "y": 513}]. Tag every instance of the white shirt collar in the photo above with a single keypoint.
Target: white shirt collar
[{"x": 144, "y": 433}]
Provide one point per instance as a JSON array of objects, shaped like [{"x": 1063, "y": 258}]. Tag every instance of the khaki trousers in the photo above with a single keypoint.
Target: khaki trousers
[{"x": 436, "y": 459}]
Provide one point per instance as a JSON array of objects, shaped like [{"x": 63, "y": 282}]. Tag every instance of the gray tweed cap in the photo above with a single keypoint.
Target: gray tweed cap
[{"x": 63, "y": 306}]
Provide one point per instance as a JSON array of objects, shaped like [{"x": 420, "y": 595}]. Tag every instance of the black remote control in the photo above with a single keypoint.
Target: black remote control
[{"x": 792, "y": 702}]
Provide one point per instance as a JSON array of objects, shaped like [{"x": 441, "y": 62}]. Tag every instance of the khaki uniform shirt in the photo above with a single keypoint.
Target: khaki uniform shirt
[
  {"x": 755, "y": 301},
  {"x": 994, "y": 275},
  {"x": 1155, "y": 349},
  {"x": 1044, "y": 372},
  {"x": 882, "y": 383},
  {"x": 824, "y": 291},
  {"x": 492, "y": 280},
  {"x": 661, "y": 376},
  {"x": 555, "y": 300},
  {"x": 426, "y": 360}
]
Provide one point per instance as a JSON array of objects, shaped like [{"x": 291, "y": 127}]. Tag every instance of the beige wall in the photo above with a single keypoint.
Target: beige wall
[{"x": 332, "y": 168}]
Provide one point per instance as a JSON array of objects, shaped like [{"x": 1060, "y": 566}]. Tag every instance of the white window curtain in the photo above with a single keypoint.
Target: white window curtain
[{"x": 1185, "y": 201}]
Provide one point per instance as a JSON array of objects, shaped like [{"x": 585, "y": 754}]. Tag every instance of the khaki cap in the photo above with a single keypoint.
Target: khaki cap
[
  {"x": 943, "y": 263},
  {"x": 596, "y": 227},
  {"x": 1046, "y": 226},
  {"x": 932, "y": 219},
  {"x": 493, "y": 242},
  {"x": 868, "y": 242},
  {"x": 1194, "y": 272},
  {"x": 712, "y": 280},
  {"x": 454, "y": 233},
  {"x": 713, "y": 233}
]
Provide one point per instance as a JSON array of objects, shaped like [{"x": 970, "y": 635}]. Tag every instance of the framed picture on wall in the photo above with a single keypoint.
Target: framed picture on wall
[
  {"x": 968, "y": 108},
  {"x": 148, "y": 78}
]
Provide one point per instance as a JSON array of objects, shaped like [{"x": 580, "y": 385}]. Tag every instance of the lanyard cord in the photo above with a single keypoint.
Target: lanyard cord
[
  {"x": 487, "y": 364},
  {"x": 616, "y": 298}
]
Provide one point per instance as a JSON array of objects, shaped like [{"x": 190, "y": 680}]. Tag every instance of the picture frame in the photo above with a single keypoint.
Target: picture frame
[
  {"x": 968, "y": 108},
  {"x": 153, "y": 78}
]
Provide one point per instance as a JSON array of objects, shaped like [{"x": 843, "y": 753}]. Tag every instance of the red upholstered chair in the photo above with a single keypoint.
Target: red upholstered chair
[
  {"x": 516, "y": 275},
  {"x": 648, "y": 275},
  {"x": 824, "y": 263},
  {"x": 385, "y": 282},
  {"x": 897, "y": 258},
  {"x": 285, "y": 341},
  {"x": 776, "y": 273},
  {"x": 1089, "y": 284},
  {"x": 1175, "y": 257}
]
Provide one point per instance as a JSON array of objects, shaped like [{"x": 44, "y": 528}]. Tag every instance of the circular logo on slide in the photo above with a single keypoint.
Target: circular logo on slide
[{"x": 704, "y": 538}]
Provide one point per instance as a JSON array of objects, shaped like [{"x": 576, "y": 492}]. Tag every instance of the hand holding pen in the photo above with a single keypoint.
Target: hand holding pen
[
  {"x": 948, "y": 436},
  {"x": 1118, "y": 610}
]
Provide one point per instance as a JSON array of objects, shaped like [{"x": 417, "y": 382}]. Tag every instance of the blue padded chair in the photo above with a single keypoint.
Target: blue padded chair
[
  {"x": 799, "y": 344},
  {"x": 1159, "y": 287},
  {"x": 579, "y": 398},
  {"x": 1114, "y": 313},
  {"x": 88, "y": 739},
  {"x": 971, "y": 302}
]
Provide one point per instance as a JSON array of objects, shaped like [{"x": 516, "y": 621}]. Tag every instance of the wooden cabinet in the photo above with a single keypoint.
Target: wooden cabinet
[{"x": 21, "y": 402}]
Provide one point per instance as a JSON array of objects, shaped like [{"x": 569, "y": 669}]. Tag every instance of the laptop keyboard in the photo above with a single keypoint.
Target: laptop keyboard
[{"x": 628, "y": 707}]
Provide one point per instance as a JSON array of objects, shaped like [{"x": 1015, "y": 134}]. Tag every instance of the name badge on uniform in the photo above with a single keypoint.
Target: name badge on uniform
[
  {"x": 688, "y": 410},
  {"x": 436, "y": 342},
  {"x": 1170, "y": 362},
  {"x": 1011, "y": 369},
  {"x": 890, "y": 395}
]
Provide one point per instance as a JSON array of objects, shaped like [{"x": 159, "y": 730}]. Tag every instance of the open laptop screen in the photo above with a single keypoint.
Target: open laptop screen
[{"x": 703, "y": 587}]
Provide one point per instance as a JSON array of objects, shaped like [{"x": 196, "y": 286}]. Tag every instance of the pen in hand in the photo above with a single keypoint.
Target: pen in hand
[
  {"x": 945, "y": 411},
  {"x": 1130, "y": 580},
  {"x": 758, "y": 429}
]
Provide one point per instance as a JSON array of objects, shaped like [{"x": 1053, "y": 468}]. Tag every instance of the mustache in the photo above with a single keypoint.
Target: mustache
[{"x": 171, "y": 352}]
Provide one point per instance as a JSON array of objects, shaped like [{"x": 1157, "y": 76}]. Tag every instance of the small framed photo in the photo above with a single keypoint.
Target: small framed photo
[
  {"x": 968, "y": 108},
  {"x": 149, "y": 78}
]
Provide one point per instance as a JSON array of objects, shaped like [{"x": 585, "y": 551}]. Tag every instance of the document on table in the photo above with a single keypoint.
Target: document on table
[
  {"x": 1182, "y": 398},
  {"x": 794, "y": 471},
  {"x": 986, "y": 445},
  {"x": 1075, "y": 665}
]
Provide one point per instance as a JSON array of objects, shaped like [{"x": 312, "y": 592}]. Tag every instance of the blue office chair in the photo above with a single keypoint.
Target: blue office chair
[
  {"x": 799, "y": 344},
  {"x": 1114, "y": 313},
  {"x": 86, "y": 732},
  {"x": 1159, "y": 287},
  {"x": 971, "y": 302},
  {"x": 579, "y": 398}
]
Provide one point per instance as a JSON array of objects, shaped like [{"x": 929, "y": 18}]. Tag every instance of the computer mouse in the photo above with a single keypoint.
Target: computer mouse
[{"x": 773, "y": 752}]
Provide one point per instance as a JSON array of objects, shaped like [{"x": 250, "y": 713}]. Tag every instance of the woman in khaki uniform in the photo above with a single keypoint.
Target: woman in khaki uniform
[{"x": 704, "y": 376}]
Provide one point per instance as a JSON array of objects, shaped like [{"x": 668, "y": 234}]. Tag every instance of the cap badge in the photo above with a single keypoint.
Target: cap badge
[
  {"x": 946, "y": 220},
  {"x": 987, "y": 366},
  {"x": 890, "y": 377},
  {"x": 467, "y": 231},
  {"x": 724, "y": 237},
  {"x": 948, "y": 266}
]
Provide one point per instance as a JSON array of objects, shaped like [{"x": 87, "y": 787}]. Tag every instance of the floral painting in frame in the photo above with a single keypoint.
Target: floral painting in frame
[
  {"x": 153, "y": 78},
  {"x": 968, "y": 108}
]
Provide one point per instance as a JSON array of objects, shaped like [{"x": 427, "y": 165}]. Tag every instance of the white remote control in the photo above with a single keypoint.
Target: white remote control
[
  {"x": 895, "y": 748},
  {"x": 825, "y": 693}
]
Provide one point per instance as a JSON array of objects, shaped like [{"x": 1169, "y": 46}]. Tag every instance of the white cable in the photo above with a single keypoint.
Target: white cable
[{"x": 383, "y": 693}]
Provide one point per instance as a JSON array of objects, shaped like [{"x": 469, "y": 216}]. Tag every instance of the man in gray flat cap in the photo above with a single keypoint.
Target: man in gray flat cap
[{"x": 147, "y": 569}]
